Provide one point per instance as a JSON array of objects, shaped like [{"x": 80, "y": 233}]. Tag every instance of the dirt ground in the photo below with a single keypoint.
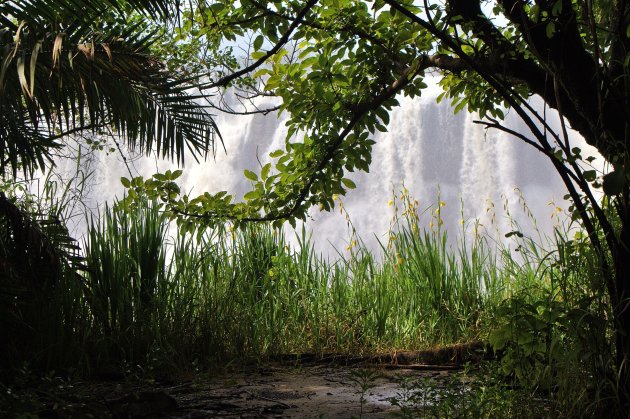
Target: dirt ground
[
  {"x": 279, "y": 391},
  {"x": 314, "y": 391},
  {"x": 283, "y": 388}
]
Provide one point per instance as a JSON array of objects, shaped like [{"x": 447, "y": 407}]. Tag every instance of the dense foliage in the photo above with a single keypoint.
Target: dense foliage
[
  {"x": 336, "y": 67},
  {"x": 86, "y": 67},
  {"x": 150, "y": 305}
]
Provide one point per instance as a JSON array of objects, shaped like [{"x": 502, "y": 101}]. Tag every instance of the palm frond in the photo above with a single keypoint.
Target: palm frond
[
  {"x": 35, "y": 249},
  {"x": 60, "y": 71},
  {"x": 23, "y": 145},
  {"x": 38, "y": 260}
]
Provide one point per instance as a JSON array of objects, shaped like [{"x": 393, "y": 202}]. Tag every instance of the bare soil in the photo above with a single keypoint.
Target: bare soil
[
  {"x": 283, "y": 388},
  {"x": 272, "y": 392}
]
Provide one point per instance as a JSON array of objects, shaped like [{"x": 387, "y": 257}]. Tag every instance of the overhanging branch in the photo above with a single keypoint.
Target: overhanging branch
[
  {"x": 359, "y": 113},
  {"x": 225, "y": 81}
]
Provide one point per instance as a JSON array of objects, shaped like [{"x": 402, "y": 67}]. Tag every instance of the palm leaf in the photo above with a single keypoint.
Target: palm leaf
[
  {"x": 61, "y": 70},
  {"x": 36, "y": 255},
  {"x": 35, "y": 249}
]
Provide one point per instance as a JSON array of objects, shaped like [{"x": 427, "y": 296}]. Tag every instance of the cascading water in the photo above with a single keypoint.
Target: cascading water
[{"x": 431, "y": 150}]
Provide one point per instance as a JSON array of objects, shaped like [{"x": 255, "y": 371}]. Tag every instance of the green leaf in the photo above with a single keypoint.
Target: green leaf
[
  {"x": 251, "y": 175},
  {"x": 258, "y": 42},
  {"x": 590, "y": 175},
  {"x": 348, "y": 183},
  {"x": 264, "y": 173},
  {"x": 251, "y": 195},
  {"x": 557, "y": 8},
  {"x": 383, "y": 115},
  {"x": 125, "y": 182},
  {"x": 550, "y": 29},
  {"x": 257, "y": 55},
  {"x": 261, "y": 72}
]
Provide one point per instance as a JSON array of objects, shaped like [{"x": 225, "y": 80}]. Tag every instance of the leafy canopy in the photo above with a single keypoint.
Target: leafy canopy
[{"x": 338, "y": 66}]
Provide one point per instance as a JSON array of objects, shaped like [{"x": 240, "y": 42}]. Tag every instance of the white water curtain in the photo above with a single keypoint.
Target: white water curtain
[{"x": 427, "y": 147}]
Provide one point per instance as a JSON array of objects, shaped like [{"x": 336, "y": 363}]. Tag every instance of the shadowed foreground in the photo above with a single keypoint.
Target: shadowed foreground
[{"x": 270, "y": 392}]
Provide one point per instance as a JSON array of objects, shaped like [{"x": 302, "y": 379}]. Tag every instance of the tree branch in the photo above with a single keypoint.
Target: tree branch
[
  {"x": 564, "y": 57},
  {"x": 225, "y": 81},
  {"x": 520, "y": 106},
  {"x": 387, "y": 93}
]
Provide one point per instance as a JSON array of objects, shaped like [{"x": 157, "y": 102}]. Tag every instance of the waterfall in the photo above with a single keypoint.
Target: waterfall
[{"x": 427, "y": 147}]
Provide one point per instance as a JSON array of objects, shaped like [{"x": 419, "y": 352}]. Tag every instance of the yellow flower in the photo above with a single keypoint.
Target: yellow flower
[
  {"x": 442, "y": 203},
  {"x": 390, "y": 203}
]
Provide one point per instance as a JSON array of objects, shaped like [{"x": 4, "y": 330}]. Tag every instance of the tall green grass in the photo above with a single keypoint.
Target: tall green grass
[
  {"x": 226, "y": 294},
  {"x": 159, "y": 299},
  {"x": 151, "y": 294}
]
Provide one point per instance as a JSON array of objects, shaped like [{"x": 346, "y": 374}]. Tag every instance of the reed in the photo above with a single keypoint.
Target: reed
[
  {"x": 226, "y": 293},
  {"x": 249, "y": 293},
  {"x": 155, "y": 300}
]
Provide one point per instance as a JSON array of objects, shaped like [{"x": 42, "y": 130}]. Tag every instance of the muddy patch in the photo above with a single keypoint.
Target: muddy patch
[
  {"x": 278, "y": 391},
  {"x": 314, "y": 391}
]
